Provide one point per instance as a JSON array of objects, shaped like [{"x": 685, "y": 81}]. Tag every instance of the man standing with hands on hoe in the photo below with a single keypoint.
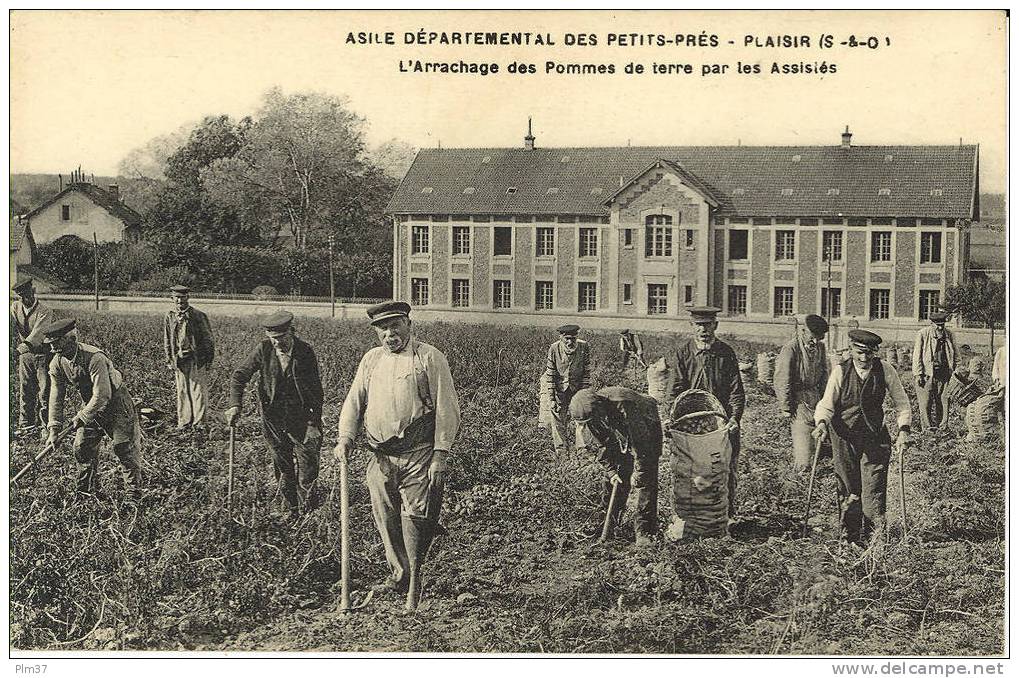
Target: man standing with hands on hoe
[{"x": 404, "y": 397}]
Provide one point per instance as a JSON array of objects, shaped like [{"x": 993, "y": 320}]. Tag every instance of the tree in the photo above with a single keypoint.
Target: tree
[
  {"x": 981, "y": 300},
  {"x": 393, "y": 157},
  {"x": 301, "y": 158}
]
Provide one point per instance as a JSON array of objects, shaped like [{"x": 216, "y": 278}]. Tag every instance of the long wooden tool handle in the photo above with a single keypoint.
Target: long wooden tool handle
[
  {"x": 606, "y": 530},
  {"x": 902, "y": 490},
  {"x": 49, "y": 447},
  {"x": 230, "y": 474},
  {"x": 344, "y": 537},
  {"x": 810, "y": 485}
]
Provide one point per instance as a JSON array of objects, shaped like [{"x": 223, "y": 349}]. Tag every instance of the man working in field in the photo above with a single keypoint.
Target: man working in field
[
  {"x": 632, "y": 349},
  {"x": 801, "y": 373},
  {"x": 622, "y": 429},
  {"x": 189, "y": 349},
  {"x": 108, "y": 408},
  {"x": 851, "y": 413},
  {"x": 403, "y": 395},
  {"x": 934, "y": 358},
  {"x": 567, "y": 370},
  {"x": 28, "y": 318},
  {"x": 705, "y": 362},
  {"x": 290, "y": 395}
]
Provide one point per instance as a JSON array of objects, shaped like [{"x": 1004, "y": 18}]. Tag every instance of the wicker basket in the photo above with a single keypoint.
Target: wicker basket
[{"x": 961, "y": 390}]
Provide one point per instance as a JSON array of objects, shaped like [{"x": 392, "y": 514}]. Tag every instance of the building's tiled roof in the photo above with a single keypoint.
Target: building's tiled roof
[
  {"x": 17, "y": 234},
  {"x": 99, "y": 196},
  {"x": 929, "y": 181}
]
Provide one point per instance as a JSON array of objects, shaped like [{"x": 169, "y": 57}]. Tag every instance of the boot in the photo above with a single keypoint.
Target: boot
[{"x": 417, "y": 538}]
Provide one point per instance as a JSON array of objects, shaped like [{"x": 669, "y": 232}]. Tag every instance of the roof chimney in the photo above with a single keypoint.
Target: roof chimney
[
  {"x": 846, "y": 138},
  {"x": 529, "y": 139},
  {"x": 115, "y": 192}
]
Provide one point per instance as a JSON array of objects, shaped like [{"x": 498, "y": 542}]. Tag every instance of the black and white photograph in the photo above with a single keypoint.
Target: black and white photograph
[{"x": 506, "y": 334}]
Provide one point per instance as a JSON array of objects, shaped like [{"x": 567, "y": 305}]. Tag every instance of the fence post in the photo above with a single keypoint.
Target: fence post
[
  {"x": 95, "y": 253},
  {"x": 332, "y": 287}
]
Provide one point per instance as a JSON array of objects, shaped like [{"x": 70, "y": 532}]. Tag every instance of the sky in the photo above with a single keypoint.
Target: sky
[{"x": 87, "y": 87}]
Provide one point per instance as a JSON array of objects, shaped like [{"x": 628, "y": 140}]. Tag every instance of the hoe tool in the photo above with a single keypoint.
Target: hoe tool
[
  {"x": 902, "y": 489},
  {"x": 609, "y": 527},
  {"x": 344, "y": 538},
  {"x": 230, "y": 474},
  {"x": 810, "y": 484},
  {"x": 45, "y": 450}
]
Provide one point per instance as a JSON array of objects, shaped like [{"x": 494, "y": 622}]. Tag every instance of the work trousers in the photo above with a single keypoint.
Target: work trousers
[
  {"x": 192, "y": 385},
  {"x": 802, "y": 426},
  {"x": 403, "y": 500},
  {"x": 641, "y": 476},
  {"x": 560, "y": 419},
  {"x": 933, "y": 401},
  {"x": 861, "y": 470},
  {"x": 295, "y": 461},
  {"x": 119, "y": 422},
  {"x": 33, "y": 389}
]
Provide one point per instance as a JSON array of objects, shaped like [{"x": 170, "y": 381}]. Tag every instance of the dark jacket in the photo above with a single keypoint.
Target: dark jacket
[
  {"x": 303, "y": 370},
  {"x": 630, "y": 425},
  {"x": 715, "y": 371},
  {"x": 199, "y": 333}
]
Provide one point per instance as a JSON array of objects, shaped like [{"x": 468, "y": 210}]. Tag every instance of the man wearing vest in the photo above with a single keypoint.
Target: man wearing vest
[
  {"x": 707, "y": 363},
  {"x": 934, "y": 358},
  {"x": 632, "y": 349},
  {"x": 108, "y": 408},
  {"x": 851, "y": 412},
  {"x": 622, "y": 429},
  {"x": 189, "y": 349},
  {"x": 801, "y": 373},
  {"x": 28, "y": 317},
  {"x": 290, "y": 395},
  {"x": 403, "y": 395},
  {"x": 567, "y": 370}
]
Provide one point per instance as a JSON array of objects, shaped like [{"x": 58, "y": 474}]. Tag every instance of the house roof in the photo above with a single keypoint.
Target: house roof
[
  {"x": 99, "y": 196},
  {"x": 18, "y": 232},
  {"x": 928, "y": 181}
]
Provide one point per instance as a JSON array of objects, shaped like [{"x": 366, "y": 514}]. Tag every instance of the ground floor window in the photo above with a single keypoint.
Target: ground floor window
[
  {"x": 587, "y": 296},
  {"x": 657, "y": 299},
  {"x": 783, "y": 301},
  {"x": 502, "y": 292},
  {"x": 627, "y": 293},
  {"x": 836, "y": 302},
  {"x": 419, "y": 291},
  {"x": 737, "y": 303},
  {"x": 930, "y": 301},
  {"x": 543, "y": 295},
  {"x": 461, "y": 293},
  {"x": 879, "y": 304}
]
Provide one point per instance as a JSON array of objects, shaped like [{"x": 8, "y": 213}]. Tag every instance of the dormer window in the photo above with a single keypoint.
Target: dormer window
[
  {"x": 554, "y": 190},
  {"x": 889, "y": 158},
  {"x": 738, "y": 191},
  {"x": 565, "y": 158},
  {"x": 833, "y": 191},
  {"x": 936, "y": 192},
  {"x": 511, "y": 190},
  {"x": 884, "y": 191},
  {"x": 596, "y": 191},
  {"x": 469, "y": 190},
  {"x": 797, "y": 158},
  {"x": 426, "y": 189},
  {"x": 487, "y": 159},
  {"x": 787, "y": 191}
]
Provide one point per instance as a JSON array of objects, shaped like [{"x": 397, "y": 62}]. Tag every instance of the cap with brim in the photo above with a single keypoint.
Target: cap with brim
[
  {"x": 864, "y": 338},
  {"x": 388, "y": 309},
  {"x": 939, "y": 317},
  {"x": 57, "y": 329},
  {"x": 625, "y": 332},
  {"x": 704, "y": 314},
  {"x": 180, "y": 289},
  {"x": 816, "y": 324},
  {"x": 568, "y": 330},
  {"x": 584, "y": 404},
  {"x": 18, "y": 288},
  {"x": 278, "y": 323}
]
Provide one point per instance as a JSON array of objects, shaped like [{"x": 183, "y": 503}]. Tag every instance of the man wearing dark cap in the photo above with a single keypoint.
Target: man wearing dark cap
[
  {"x": 403, "y": 396},
  {"x": 801, "y": 373},
  {"x": 632, "y": 349},
  {"x": 108, "y": 408},
  {"x": 622, "y": 429},
  {"x": 934, "y": 358},
  {"x": 708, "y": 363},
  {"x": 290, "y": 395},
  {"x": 28, "y": 317},
  {"x": 567, "y": 370},
  {"x": 851, "y": 412},
  {"x": 189, "y": 349}
]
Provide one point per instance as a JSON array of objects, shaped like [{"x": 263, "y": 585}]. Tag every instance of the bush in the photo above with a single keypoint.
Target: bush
[
  {"x": 163, "y": 279},
  {"x": 264, "y": 292},
  {"x": 230, "y": 268}
]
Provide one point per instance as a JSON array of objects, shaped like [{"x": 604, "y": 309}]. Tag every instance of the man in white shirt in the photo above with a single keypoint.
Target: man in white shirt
[
  {"x": 934, "y": 358},
  {"x": 403, "y": 395},
  {"x": 851, "y": 411},
  {"x": 28, "y": 317}
]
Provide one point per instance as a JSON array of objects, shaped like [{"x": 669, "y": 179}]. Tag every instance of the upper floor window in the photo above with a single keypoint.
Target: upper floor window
[
  {"x": 65, "y": 212},
  {"x": 589, "y": 242},
  {"x": 461, "y": 240},
  {"x": 738, "y": 244},
  {"x": 419, "y": 239},
  {"x": 503, "y": 241},
  {"x": 658, "y": 235},
  {"x": 785, "y": 245},
  {"x": 831, "y": 246},
  {"x": 689, "y": 239},
  {"x": 930, "y": 248},
  {"x": 544, "y": 241},
  {"x": 881, "y": 246}
]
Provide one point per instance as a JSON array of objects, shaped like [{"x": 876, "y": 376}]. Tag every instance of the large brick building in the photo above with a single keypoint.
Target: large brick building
[{"x": 647, "y": 231}]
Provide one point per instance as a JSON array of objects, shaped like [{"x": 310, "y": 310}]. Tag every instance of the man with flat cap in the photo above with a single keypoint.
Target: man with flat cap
[
  {"x": 851, "y": 412},
  {"x": 622, "y": 429},
  {"x": 705, "y": 362},
  {"x": 934, "y": 358},
  {"x": 290, "y": 397},
  {"x": 801, "y": 373},
  {"x": 189, "y": 349},
  {"x": 567, "y": 370},
  {"x": 632, "y": 349},
  {"x": 28, "y": 317},
  {"x": 108, "y": 408},
  {"x": 403, "y": 396}
]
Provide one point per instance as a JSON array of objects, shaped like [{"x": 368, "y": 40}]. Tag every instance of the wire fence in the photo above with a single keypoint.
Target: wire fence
[{"x": 226, "y": 296}]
